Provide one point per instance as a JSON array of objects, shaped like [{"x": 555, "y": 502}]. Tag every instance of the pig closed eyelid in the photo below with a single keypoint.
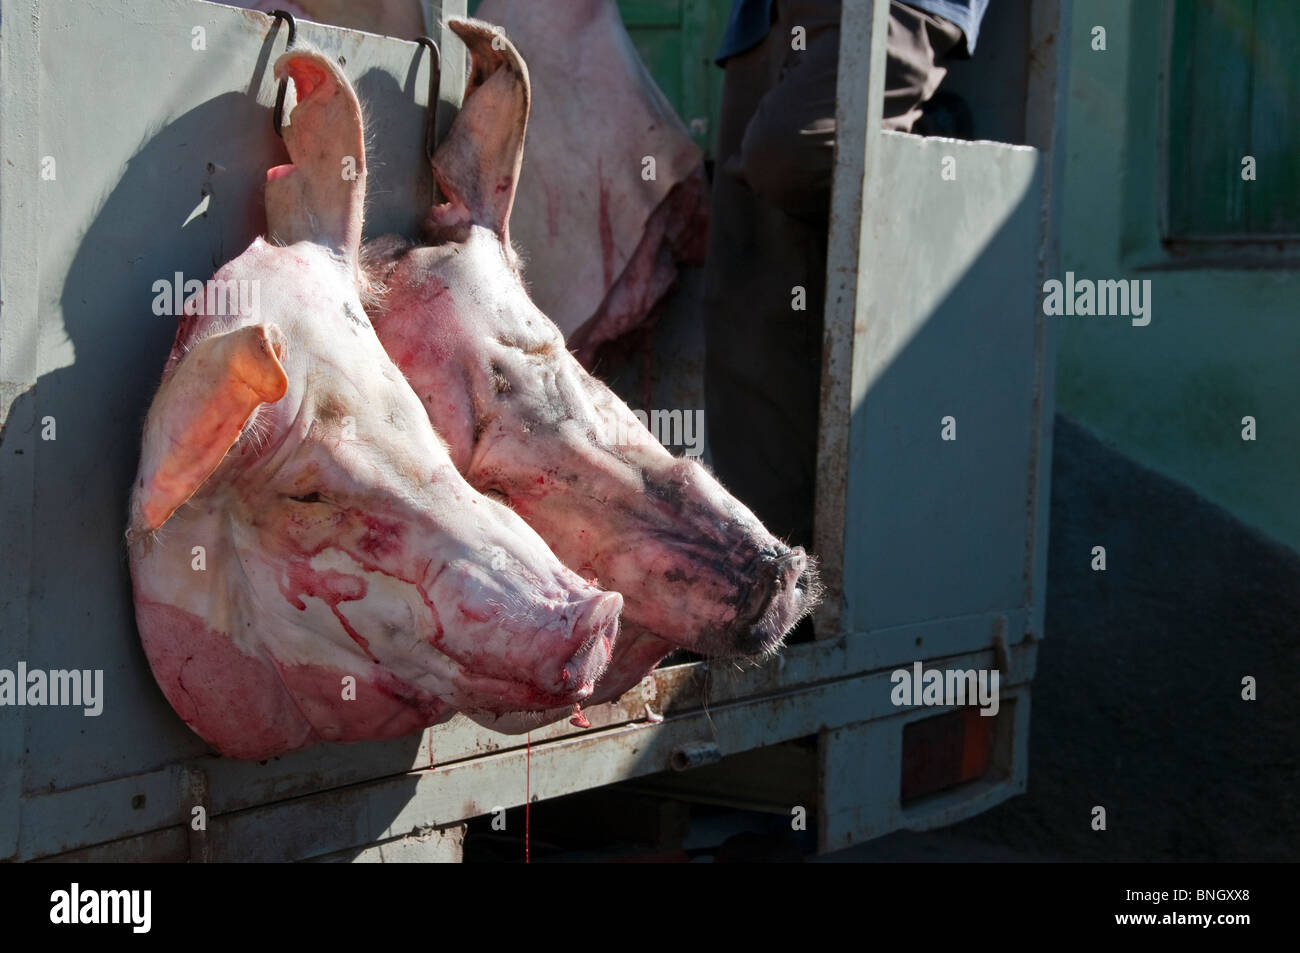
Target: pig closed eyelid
[
  {"x": 312, "y": 497},
  {"x": 500, "y": 383}
]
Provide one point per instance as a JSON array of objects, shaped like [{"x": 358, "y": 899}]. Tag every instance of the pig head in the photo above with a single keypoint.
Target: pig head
[
  {"x": 307, "y": 563},
  {"x": 527, "y": 425}
]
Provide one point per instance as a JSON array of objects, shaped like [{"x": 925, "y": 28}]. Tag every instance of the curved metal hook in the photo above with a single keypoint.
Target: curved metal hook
[
  {"x": 435, "y": 87},
  {"x": 277, "y": 118}
]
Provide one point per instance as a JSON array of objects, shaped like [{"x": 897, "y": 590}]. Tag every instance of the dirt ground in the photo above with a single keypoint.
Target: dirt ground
[{"x": 1137, "y": 700}]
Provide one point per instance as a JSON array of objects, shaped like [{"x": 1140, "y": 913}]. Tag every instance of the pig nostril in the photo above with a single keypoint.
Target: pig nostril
[
  {"x": 780, "y": 571},
  {"x": 791, "y": 564},
  {"x": 595, "y": 626},
  {"x": 780, "y": 589},
  {"x": 602, "y": 610}
]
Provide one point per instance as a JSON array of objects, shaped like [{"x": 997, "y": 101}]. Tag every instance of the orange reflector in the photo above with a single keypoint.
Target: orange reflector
[{"x": 944, "y": 751}]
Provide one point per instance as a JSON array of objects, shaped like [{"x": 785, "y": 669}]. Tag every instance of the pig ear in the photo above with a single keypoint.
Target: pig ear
[
  {"x": 198, "y": 415},
  {"x": 320, "y": 196},
  {"x": 477, "y": 165}
]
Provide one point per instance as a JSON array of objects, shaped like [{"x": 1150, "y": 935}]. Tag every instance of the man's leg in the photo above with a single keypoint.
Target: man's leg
[
  {"x": 918, "y": 43},
  {"x": 788, "y": 149}
]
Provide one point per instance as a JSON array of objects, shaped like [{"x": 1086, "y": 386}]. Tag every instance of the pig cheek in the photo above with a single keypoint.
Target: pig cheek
[
  {"x": 233, "y": 700},
  {"x": 330, "y": 587},
  {"x": 378, "y": 705},
  {"x": 561, "y": 506},
  {"x": 294, "y": 536},
  {"x": 538, "y": 490},
  {"x": 673, "y": 593},
  {"x": 391, "y": 622},
  {"x": 548, "y": 507},
  {"x": 380, "y": 541},
  {"x": 295, "y": 531},
  {"x": 546, "y": 501},
  {"x": 254, "y": 707},
  {"x": 419, "y": 332},
  {"x": 376, "y": 541}
]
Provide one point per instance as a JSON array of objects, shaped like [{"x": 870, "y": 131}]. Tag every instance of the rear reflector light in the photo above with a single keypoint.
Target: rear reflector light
[{"x": 944, "y": 751}]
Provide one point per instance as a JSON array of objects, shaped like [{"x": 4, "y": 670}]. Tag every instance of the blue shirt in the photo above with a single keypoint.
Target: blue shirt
[{"x": 751, "y": 20}]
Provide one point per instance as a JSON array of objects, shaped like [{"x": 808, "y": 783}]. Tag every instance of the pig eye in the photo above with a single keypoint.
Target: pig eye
[
  {"x": 499, "y": 381},
  {"x": 308, "y": 498},
  {"x": 498, "y": 496}
]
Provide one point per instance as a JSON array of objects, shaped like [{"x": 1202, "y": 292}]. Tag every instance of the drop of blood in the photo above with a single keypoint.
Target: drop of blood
[{"x": 579, "y": 720}]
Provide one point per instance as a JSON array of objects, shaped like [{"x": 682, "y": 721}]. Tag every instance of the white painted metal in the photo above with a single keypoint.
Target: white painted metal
[
  {"x": 66, "y": 819},
  {"x": 937, "y": 251},
  {"x": 417, "y": 801}
]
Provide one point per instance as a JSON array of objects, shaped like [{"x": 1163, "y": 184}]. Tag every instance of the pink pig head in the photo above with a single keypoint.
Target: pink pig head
[
  {"x": 307, "y": 563},
  {"x": 526, "y": 424}
]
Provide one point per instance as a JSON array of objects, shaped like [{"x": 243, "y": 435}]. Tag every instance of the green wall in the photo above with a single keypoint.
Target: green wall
[{"x": 1223, "y": 342}]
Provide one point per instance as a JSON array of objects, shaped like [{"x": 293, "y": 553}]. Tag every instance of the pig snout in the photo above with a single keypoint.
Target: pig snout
[
  {"x": 597, "y": 626},
  {"x": 541, "y": 650},
  {"x": 693, "y": 594},
  {"x": 783, "y": 591}
]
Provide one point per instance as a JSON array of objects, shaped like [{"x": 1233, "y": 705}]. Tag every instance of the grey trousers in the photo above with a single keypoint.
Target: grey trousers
[{"x": 767, "y": 246}]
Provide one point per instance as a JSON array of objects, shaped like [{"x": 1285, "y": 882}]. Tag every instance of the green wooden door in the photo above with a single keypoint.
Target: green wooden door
[
  {"x": 677, "y": 40},
  {"x": 1233, "y": 92}
]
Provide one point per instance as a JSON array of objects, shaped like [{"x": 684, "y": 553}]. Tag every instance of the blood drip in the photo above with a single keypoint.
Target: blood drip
[
  {"x": 579, "y": 720},
  {"x": 528, "y": 799}
]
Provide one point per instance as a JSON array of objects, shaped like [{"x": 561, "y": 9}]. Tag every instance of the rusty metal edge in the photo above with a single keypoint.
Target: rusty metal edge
[
  {"x": 687, "y": 689},
  {"x": 353, "y": 816},
  {"x": 860, "y": 94},
  {"x": 1045, "y": 111}
]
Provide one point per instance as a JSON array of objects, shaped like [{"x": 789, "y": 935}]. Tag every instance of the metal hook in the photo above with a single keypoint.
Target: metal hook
[
  {"x": 277, "y": 118},
  {"x": 435, "y": 87}
]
